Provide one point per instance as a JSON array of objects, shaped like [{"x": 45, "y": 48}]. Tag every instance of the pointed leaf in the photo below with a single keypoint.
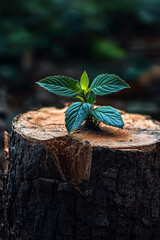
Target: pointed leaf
[
  {"x": 87, "y": 90},
  {"x": 61, "y": 85},
  {"x": 107, "y": 83},
  {"x": 81, "y": 98},
  {"x": 91, "y": 98},
  {"x": 84, "y": 80},
  {"x": 76, "y": 114},
  {"x": 108, "y": 115},
  {"x": 78, "y": 87}
]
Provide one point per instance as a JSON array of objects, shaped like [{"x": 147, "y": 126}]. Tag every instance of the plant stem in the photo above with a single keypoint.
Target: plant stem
[
  {"x": 84, "y": 96},
  {"x": 92, "y": 122}
]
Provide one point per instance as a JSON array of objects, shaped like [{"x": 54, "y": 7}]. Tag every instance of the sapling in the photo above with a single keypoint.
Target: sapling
[{"x": 78, "y": 112}]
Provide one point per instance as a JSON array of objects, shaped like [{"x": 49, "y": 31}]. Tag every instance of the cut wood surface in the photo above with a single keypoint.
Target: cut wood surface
[
  {"x": 86, "y": 185},
  {"x": 139, "y": 131}
]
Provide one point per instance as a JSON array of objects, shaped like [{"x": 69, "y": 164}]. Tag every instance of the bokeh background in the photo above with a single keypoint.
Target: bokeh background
[{"x": 39, "y": 38}]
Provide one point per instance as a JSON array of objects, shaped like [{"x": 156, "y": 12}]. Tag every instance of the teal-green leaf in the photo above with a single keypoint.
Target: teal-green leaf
[
  {"x": 107, "y": 83},
  {"x": 76, "y": 114},
  {"x": 108, "y": 115},
  {"x": 91, "y": 98},
  {"x": 84, "y": 80},
  {"x": 60, "y": 85}
]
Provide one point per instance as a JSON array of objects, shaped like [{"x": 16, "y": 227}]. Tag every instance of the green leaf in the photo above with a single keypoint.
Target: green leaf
[
  {"x": 76, "y": 114},
  {"x": 81, "y": 98},
  {"x": 78, "y": 87},
  {"x": 84, "y": 80},
  {"x": 91, "y": 98},
  {"x": 87, "y": 90},
  {"x": 108, "y": 115},
  {"x": 61, "y": 85},
  {"x": 107, "y": 83},
  {"x": 105, "y": 49}
]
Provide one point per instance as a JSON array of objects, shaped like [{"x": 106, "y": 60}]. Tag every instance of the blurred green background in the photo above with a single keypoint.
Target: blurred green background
[{"x": 39, "y": 38}]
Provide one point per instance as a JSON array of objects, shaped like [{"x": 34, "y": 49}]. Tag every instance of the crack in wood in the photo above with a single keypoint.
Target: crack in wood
[{"x": 72, "y": 157}]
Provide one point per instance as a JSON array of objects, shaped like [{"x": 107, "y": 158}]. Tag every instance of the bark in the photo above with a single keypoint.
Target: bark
[{"x": 89, "y": 185}]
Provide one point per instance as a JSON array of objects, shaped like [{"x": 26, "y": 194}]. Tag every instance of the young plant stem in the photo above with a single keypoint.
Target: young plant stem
[
  {"x": 91, "y": 122},
  {"x": 84, "y": 97}
]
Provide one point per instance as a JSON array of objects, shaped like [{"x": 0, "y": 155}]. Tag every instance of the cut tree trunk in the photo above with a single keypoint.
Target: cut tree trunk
[{"x": 88, "y": 185}]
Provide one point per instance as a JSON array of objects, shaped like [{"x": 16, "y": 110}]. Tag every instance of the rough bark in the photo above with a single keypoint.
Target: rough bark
[{"x": 84, "y": 186}]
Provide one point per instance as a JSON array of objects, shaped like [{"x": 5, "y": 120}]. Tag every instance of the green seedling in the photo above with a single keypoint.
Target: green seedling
[{"x": 78, "y": 112}]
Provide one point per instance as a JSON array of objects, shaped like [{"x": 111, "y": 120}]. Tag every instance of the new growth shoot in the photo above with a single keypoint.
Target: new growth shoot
[{"x": 78, "y": 112}]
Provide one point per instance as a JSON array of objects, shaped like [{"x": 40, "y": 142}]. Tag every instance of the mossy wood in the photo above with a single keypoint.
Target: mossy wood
[{"x": 89, "y": 185}]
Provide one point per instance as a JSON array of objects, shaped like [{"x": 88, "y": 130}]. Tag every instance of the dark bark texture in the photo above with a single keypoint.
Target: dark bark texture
[{"x": 119, "y": 201}]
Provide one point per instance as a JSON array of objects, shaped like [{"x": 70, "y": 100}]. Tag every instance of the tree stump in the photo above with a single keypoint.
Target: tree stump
[{"x": 88, "y": 185}]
